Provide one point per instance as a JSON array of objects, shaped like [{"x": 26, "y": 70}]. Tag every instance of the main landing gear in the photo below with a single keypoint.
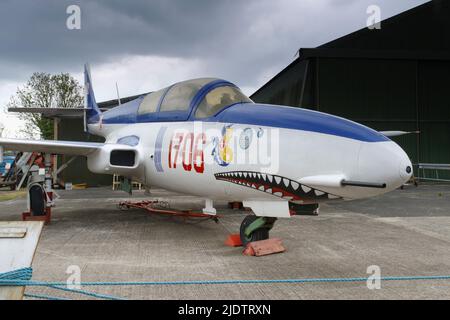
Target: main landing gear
[{"x": 255, "y": 228}]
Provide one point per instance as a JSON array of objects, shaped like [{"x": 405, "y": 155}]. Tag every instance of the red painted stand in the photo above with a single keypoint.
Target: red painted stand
[
  {"x": 28, "y": 216},
  {"x": 152, "y": 207}
]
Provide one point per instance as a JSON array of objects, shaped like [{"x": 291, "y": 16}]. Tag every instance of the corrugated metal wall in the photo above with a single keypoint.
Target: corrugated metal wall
[
  {"x": 434, "y": 112},
  {"x": 378, "y": 93}
]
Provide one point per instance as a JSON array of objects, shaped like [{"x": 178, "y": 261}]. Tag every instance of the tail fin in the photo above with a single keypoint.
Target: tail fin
[{"x": 92, "y": 111}]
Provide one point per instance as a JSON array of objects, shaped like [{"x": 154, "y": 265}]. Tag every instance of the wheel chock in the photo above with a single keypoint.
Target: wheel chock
[
  {"x": 264, "y": 247},
  {"x": 233, "y": 240}
]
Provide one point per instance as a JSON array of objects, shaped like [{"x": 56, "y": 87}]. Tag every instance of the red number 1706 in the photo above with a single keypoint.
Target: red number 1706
[{"x": 190, "y": 150}]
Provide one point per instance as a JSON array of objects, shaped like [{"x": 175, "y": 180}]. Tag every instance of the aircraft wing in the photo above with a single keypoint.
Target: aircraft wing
[{"x": 51, "y": 146}]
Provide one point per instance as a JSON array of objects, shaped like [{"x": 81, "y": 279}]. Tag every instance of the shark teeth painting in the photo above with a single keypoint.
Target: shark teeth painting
[{"x": 276, "y": 185}]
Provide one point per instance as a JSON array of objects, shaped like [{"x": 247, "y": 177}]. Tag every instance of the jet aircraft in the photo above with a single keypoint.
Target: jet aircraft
[{"x": 205, "y": 137}]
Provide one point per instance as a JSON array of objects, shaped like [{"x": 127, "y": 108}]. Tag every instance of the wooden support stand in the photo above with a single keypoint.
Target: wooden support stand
[
  {"x": 256, "y": 248},
  {"x": 264, "y": 247},
  {"x": 18, "y": 242}
]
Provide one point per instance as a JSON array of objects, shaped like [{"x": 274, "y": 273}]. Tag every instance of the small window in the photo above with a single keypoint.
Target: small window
[
  {"x": 179, "y": 97},
  {"x": 219, "y": 98},
  {"x": 129, "y": 140},
  {"x": 150, "y": 103}
]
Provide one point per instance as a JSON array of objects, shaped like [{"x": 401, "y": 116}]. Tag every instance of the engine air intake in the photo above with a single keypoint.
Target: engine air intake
[{"x": 123, "y": 158}]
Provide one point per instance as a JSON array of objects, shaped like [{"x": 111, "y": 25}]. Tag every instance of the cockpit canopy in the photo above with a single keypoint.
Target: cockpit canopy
[
  {"x": 198, "y": 98},
  {"x": 217, "y": 99}
]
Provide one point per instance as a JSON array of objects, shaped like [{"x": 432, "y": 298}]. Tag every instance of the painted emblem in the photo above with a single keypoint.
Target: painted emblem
[
  {"x": 222, "y": 152},
  {"x": 246, "y": 138}
]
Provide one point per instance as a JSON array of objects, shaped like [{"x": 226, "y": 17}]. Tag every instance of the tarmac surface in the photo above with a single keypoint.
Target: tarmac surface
[{"x": 404, "y": 233}]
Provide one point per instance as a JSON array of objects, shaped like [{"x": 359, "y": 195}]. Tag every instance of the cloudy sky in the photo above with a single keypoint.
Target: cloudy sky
[{"x": 145, "y": 45}]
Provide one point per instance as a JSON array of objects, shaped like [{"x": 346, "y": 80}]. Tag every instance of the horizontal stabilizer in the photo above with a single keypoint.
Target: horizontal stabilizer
[{"x": 397, "y": 133}]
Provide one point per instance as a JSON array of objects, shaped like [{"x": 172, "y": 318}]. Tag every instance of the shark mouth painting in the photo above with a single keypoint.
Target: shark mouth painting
[{"x": 281, "y": 187}]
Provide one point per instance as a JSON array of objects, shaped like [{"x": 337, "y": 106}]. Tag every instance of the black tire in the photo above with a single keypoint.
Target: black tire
[
  {"x": 257, "y": 235},
  {"x": 37, "y": 201}
]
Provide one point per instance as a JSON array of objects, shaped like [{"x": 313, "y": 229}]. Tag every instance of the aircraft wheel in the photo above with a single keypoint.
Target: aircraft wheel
[
  {"x": 258, "y": 234},
  {"x": 37, "y": 201}
]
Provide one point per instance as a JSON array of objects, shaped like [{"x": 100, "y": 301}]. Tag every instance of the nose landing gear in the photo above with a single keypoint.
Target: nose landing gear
[{"x": 255, "y": 228}]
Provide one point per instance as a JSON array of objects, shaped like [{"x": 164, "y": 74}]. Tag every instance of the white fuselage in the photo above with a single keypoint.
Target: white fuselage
[{"x": 212, "y": 160}]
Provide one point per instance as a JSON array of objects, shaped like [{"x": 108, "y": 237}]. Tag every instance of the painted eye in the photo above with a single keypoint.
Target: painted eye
[
  {"x": 260, "y": 133},
  {"x": 408, "y": 169},
  {"x": 246, "y": 138}
]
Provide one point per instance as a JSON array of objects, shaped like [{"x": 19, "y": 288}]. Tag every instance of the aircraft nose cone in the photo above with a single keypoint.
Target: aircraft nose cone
[
  {"x": 405, "y": 169},
  {"x": 384, "y": 162}
]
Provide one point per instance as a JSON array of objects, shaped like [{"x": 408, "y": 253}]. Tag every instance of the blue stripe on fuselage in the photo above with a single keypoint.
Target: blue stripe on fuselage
[
  {"x": 125, "y": 113},
  {"x": 298, "y": 119},
  {"x": 263, "y": 115}
]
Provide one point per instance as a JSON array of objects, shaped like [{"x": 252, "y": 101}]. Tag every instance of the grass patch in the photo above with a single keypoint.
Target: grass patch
[{"x": 10, "y": 195}]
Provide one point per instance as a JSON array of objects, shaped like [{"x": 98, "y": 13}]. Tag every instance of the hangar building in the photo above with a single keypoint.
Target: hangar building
[{"x": 393, "y": 78}]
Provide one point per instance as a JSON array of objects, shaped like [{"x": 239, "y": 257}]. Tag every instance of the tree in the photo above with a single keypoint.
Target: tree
[{"x": 44, "y": 90}]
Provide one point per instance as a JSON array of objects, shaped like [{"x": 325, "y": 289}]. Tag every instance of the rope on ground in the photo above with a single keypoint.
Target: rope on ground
[
  {"x": 87, "y": 293},
  {"x": 22, "y": 277},
  {"x": 23, "y": 274},
  {"x": 42, "y": 297}
]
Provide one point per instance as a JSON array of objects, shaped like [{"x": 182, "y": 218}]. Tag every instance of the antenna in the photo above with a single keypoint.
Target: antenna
[{"x": 118, "y": 96}]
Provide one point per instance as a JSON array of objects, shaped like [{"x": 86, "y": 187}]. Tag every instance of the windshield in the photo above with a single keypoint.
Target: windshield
[
  {"x": 150, "y": 102},
  {"x": 219, "y": 98},
  {"x": 179, "y": 96}
]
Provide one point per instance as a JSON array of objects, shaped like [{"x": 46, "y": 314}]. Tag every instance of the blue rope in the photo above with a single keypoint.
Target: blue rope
[
  {"x": 23, "y": 274},
  {"x": 87, "y": 293},
  {"x": 213, "y": 282},
  {"x": 42, "y": 296},
  {"x": 21, "y": 277}
]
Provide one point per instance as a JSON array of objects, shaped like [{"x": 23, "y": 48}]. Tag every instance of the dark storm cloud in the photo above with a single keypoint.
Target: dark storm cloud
[
  {"x": 34, "y": 32},
  {"x": 239, "y": 40}
]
